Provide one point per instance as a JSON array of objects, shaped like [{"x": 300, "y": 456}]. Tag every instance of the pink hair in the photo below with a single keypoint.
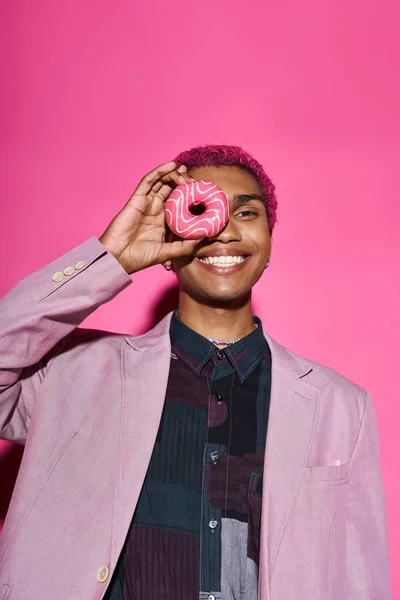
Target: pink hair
[{"x": 233, "y": 156}]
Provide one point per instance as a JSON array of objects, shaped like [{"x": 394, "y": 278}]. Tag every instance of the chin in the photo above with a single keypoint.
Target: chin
[{"x": 221, "y": 297}]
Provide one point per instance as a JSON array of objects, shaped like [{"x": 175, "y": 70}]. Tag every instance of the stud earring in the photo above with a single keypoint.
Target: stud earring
[{"x": 268, "y": 263}]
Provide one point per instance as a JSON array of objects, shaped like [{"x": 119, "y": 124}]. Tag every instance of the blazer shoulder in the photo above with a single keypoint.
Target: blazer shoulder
[{"x": 327, "y": 377}]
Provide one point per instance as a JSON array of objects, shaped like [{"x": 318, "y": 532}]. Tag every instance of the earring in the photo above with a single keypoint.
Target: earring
[
  {"x": 268, "y": 263},
  {"x": 167, "y": 267}
]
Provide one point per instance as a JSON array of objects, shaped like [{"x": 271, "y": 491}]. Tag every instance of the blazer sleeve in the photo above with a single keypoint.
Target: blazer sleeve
[
  {"x": 38, "y": 313},
  {"x": 367, "y": 547}
]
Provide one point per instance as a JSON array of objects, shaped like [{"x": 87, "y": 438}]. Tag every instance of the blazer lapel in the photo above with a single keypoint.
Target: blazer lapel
[
  {"x": 145, "y": 362},
  {"x": 290, "y": 426}
]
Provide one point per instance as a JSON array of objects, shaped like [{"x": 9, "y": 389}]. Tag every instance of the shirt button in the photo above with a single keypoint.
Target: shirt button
[
  {"x": 214, "y": 456},
  {"x": 69, "y": 270},
  {"x": 220, "y": 355},
  {"x": 213, "y": 524},
  {"x": 80, "y": 264},
  {"x": 58, "y": 276},
  {"x": 219, "y": 398},
  {"x": 102, "y": 574}
]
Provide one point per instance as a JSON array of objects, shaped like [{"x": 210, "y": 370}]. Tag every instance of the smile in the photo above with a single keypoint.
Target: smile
[{"x": 222, "y": 261}]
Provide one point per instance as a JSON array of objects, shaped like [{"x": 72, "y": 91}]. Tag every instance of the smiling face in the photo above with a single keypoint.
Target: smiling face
[{"x": 225, "y": 267}]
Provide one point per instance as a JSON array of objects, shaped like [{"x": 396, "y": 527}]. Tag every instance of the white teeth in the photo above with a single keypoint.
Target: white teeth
[{"x": 225, "y": 261}]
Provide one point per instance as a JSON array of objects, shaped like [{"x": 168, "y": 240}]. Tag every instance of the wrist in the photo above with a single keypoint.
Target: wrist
[{"x": 111, "y": 250}]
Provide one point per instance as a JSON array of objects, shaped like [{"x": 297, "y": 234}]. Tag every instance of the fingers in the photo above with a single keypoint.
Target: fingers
[
  {"x": 175, "y": 178},
  {"x": 157, "y": 187},
  {"x": 145, "y": 185},
  {"x": 171, "y": 181},
  {"x": 162, "y": 178},
  {"x": 165, "y": 186}
]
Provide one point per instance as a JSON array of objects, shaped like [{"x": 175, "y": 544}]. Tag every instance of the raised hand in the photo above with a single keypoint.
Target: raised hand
[{"x": 136, "y": 235}]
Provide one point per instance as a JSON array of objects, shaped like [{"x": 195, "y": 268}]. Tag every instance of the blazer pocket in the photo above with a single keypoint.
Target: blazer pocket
[
  {"x": 5, "y": 592},
  {"x": 335, "y": 475}
]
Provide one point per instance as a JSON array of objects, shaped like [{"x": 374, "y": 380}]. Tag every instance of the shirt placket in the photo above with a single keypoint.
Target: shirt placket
[{"x": 211, "y": 517}]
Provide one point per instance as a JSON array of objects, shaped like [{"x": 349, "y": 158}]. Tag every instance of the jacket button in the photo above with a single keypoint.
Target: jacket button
[
  {"x": 213, "y": 524},
  {"x": 102, "y": 574},
  {"x": 214, "y": 455},
  {"x": 69, "y": 271},
  {"x": 58, "y": 276}
]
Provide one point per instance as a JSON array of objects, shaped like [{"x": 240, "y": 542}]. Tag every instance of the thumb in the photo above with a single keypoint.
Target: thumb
[{"x": 183, "y": 248}]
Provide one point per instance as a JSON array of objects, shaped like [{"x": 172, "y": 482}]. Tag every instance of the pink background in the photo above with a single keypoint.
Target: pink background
[{"x": 95, "y": 94}]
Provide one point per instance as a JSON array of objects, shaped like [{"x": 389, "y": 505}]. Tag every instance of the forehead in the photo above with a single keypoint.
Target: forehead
[{"x": 232, "y": 180}]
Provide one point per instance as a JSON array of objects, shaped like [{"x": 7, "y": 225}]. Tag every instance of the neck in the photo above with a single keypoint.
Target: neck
[{"x": 222, "y": 321}]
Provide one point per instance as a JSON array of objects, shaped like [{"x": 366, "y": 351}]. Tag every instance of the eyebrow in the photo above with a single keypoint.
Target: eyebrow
[{"x": 239, "y": 199}]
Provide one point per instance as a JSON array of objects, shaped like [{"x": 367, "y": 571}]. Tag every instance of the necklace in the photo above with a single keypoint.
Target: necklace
[{"x": 227, "y": 342}]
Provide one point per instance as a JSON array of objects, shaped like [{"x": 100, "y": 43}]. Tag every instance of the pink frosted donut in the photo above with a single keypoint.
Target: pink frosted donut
[{"x": 190, "y": 226}]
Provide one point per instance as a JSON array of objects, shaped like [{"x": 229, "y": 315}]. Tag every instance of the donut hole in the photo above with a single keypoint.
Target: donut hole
[{"x": 197, "y": 209}]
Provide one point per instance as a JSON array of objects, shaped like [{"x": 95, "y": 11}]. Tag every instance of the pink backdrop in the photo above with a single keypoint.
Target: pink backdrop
[{"x": 95, "y": 94}]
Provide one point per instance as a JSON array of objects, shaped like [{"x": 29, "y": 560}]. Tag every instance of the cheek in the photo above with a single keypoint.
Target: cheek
[
  {"x": 182, "y": 267},
  {"x": 262, "y": 241}
]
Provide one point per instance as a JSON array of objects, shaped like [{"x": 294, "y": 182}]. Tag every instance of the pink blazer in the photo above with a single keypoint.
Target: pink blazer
[{"x": 87, "y": 406}]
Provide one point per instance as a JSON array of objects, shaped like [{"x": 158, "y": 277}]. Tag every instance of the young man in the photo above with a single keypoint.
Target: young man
[{"x": 200, "y": 460}]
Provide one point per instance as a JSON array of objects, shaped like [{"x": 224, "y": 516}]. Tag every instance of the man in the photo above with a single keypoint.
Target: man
[{"x": 200, "y": 460}]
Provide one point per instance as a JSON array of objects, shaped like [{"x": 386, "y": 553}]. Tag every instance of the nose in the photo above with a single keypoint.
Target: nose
[{"x": 230, "y": 233}]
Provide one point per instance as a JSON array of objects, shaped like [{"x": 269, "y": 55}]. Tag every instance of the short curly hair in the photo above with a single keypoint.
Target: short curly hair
[{"x": 232, "y": 156}]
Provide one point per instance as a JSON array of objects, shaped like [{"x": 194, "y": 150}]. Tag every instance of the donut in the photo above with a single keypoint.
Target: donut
[{"x": 193, "y": 193}]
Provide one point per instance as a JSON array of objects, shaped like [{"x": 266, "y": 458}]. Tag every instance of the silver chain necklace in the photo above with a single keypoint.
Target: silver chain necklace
[{"x": 227, "y": 342}]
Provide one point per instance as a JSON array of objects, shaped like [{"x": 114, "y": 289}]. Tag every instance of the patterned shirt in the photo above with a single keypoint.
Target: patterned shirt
[{"x": 195, "y": 533}]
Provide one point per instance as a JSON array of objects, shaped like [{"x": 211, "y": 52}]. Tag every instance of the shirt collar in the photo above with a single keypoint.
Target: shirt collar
[{"x": 195, "y": 350}]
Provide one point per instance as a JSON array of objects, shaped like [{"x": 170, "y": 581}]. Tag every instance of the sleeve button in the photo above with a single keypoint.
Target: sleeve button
[
  {"x": 80, "y": 264},
  {"x": 58, "y": 276},
  {"x": 69, "y": 270}
]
